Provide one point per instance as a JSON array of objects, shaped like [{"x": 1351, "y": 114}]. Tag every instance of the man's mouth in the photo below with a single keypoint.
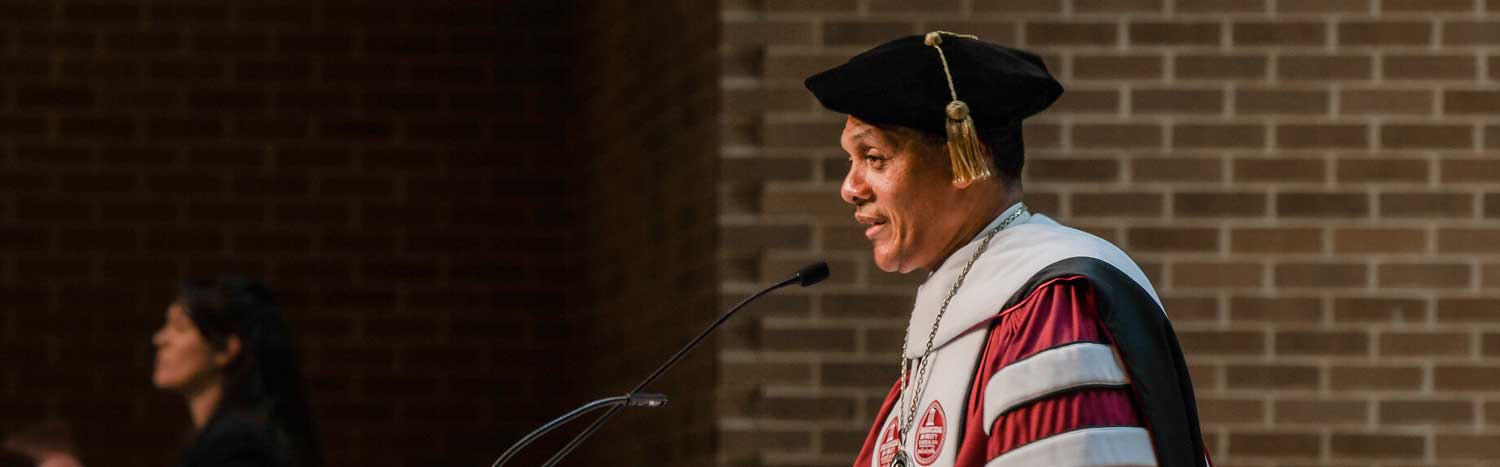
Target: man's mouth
[{"x": 874, "y": 225}]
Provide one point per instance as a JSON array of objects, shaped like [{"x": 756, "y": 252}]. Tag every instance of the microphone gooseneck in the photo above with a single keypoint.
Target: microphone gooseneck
[{"x": 807, "y": 276}]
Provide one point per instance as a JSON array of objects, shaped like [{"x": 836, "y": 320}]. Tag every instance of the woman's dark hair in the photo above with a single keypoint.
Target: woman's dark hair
[{"x": 263, "y": 382}]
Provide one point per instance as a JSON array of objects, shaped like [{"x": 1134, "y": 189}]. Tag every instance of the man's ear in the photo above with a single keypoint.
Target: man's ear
[{"x": 231, "y": 350}]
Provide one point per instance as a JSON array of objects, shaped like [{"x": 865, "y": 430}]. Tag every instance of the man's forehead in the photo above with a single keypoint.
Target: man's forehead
[{"x": 858, "y": 130}]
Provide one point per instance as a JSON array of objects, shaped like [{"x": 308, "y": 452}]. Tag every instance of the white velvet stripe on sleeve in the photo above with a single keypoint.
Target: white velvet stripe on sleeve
[
  {"x": 1088, "y": 447},
  {"x": 1068, "y": 366}
]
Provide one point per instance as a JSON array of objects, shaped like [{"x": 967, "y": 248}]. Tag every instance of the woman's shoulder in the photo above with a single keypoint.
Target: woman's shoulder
[{"x": 235, "y": 440}]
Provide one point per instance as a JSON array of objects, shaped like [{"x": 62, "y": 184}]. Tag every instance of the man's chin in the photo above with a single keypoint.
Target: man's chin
[{"x": 888, "y": 263}]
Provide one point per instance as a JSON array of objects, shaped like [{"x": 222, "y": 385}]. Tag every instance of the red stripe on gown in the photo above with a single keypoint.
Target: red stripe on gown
[
  {"x": 1058, "y": 312},
  {"x": 1061, "y": 414}
]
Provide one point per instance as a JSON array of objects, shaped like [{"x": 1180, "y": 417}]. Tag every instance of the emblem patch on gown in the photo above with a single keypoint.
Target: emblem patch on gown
[
  {"x": 890, "y": 442},
  {"x": 930, "y": 433}
]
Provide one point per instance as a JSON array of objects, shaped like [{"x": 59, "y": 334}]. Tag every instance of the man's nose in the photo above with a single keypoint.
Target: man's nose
[{"x": 854, "y": 190}]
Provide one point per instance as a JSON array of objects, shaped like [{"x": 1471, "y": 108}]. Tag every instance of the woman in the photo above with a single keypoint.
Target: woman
[{"x": 226, "y": 350}]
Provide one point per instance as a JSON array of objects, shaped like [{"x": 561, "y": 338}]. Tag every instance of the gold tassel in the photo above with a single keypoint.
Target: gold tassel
[{"x": 971, "y": 162}]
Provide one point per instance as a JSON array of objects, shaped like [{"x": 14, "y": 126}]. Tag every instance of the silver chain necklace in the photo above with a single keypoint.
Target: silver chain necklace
[{"x": 924, "y": 364}]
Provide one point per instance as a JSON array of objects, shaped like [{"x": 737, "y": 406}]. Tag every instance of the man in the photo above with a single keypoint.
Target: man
[{"x": 1031, "y": 343}]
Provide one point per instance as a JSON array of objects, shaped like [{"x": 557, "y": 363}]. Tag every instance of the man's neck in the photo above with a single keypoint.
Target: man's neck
[{"x": 972, "y": 225}]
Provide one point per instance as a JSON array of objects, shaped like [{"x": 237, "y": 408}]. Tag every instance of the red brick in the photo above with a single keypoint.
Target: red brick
[
  {"x": 1430, "y": 67},
  {"x": 1189, "y": 204},
  {"x": 1324, "y": 6},
  {"x": 1321, "y": 275},
  {"x": 1176, "y": 101},
  {"x": 1376, "y": 377},
  {"x": 1275, "y": 240},
  {"x": 1345, "y": 67},
  {"x": 1465, "y": 378},
  {"x": 1087, "y": 102},
  {"x": 1275, "y": 309},
  {"x": 1379, "y": 310},
  {"x": 1073, "y": 170},
  {"x": 827, "y": 6},
  {"x": 1072, "y": 33},
  {"x": 1220, "y": 6},
  {"x": 1222, "y": 342},
  {"x": 1381, "y": 101},
  {"x": 1117, "y": 67},
  {"x": 1466, "y": 446},
  {"x": 1042, "y": 135},
  {"x": 1277, "y": 101},
  {"x": 1359, "y": 445},
  {"x": 864, "y": 33},
  {"x": 1018, "y": 6},
  {"x": 1118, "y": 204},
  {"x": 1186, "y": 308},
  {"x": 1427, "y": 412},
  {"x": 1246, "y": 376},
  {"x": 1467, "y": 33},
  {"x": 1119, "y": 6},
  {"x": 1426, "y": 6},
  {"x": 1152, "y": 169},
  {"x": 1425, "y": 275},
  {"x": 1424, "y": 344},
  {"x": 1177, "y": 33},
  {"x": 1348, "y": 343},
  {"x": 1279, "y": 445},
  {"x": 1102, "y": 135},
  {"x": 1467, "y": 240},
  {"x": 1173, "y": 239},
  {"x": 1322, "y": 205},
  {"x": 1384, "y": 33},
  {"x": 1352, "y": 171},
  {"x": 1460, "y": 102},
  {"x": 1308, "y": 136},
  {"x": 1426, "y": 205},
  {"x": 1260, "y": 33},
  {"x": 1321, "y": 412},
  {"x": 1377, "y": 240},
  {"x": 1215, "y": 410},
  {"x": 898, "y": 6},
  {"x": 1220, "y": 67},
  {"x": 1279, "y": 170},
  {"x": 1227, "y": 135},
  {"x": 1468, "y": 310},
  {"x": 1217, "y": 275}
]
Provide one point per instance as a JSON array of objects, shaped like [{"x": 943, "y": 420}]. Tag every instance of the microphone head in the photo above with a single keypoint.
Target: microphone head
[{"x": 812, "y": 274}]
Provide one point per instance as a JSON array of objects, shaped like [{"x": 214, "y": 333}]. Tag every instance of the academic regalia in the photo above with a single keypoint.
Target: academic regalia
[{"x": 1055, "y": 351}]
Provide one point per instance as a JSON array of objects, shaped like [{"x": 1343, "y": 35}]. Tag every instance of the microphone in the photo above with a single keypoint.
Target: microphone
[
  {"x": 806, "y": 277},
  {"x": 812, "y": 274}
]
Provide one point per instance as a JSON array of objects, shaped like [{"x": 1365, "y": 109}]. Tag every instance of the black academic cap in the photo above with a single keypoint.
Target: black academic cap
[
  {"x": 952, "y": 85},
  {"x": 902, "y": 82}
]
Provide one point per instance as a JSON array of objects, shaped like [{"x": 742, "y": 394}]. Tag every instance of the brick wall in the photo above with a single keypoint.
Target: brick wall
[
  {"x": 1312, "y": 186},
  {"x": 647, "y": 81},
  {"x": 406, "y": 176}
]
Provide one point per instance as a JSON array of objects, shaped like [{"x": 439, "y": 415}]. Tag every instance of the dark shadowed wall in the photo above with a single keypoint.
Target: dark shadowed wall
[{"x": 467, "y": 208}]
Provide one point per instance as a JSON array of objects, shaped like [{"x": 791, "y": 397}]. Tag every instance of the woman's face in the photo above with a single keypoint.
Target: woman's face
[{"x": 185, "y": 362}]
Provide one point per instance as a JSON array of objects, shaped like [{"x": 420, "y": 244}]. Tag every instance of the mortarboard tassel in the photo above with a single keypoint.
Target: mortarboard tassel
[{"x": 970, "y": 159}]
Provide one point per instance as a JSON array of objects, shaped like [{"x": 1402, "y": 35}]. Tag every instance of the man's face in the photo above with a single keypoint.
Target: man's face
[{"x": 902, "y": 192}]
